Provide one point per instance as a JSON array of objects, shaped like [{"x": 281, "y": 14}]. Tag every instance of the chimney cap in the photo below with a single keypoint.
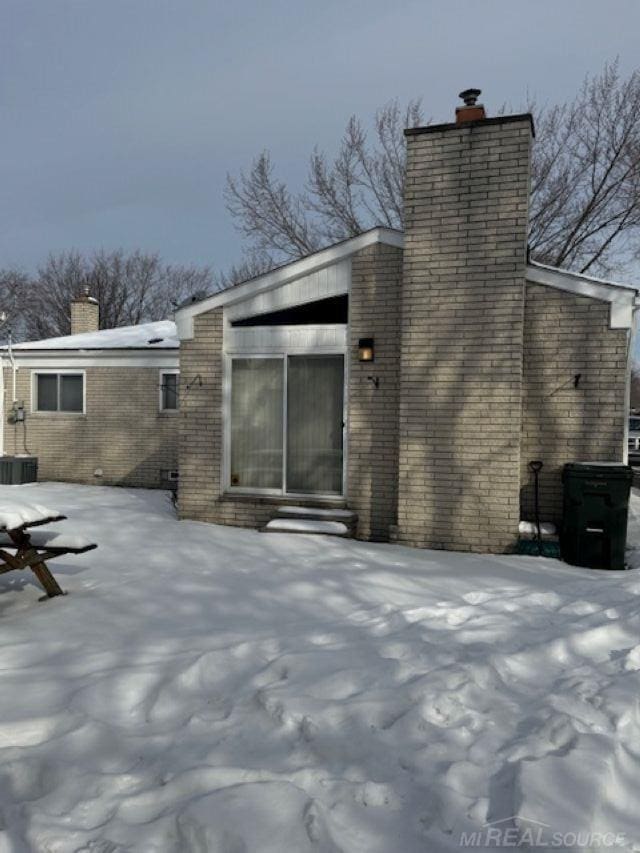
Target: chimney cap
[
  {"x": 85, "y": 296},
  {"x": 470, "y": 96}
]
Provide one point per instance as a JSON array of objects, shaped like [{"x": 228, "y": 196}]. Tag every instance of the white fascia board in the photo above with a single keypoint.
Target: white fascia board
[
  {"x": 536, "y": 265},
  {"x": 184, "y": 316},
  {"x": 621, "y": 297},
  {"x": 64, "y": 359}
]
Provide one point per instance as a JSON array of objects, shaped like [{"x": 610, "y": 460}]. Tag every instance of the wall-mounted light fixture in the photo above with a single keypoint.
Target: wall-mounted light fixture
[{"x": 365, "y": 349}]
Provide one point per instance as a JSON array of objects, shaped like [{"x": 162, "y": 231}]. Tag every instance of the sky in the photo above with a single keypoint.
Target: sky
[{"x": 119, "y": 119}]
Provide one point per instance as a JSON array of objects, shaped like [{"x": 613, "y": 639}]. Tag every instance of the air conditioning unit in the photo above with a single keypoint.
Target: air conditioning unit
[{"x": 15, "y": 470}]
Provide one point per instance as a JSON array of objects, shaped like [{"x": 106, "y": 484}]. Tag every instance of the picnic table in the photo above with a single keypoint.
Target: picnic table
[{"x": 32, "y": 549}]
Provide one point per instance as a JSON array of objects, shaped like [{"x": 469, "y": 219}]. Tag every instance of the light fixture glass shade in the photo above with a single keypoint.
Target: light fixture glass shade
[{"x": 365, "y": 349}]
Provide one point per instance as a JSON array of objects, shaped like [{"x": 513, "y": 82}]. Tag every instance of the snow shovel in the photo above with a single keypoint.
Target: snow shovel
[{"x": 537, "y": 547}]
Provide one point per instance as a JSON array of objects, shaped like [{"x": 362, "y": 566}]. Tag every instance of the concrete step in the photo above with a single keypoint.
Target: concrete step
[
  {"x": 346, "y": 516},
  {"x": 307, "y": 525}
]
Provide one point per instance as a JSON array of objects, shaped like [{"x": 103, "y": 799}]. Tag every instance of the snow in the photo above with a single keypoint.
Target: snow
[
  {"x": 162, "y": 333},
  {"x": 307, "y": 525},
  {"x": 16, "y": 513},
  {"x": 207, "y": 688},
  {"x": 315, "y": 512},
  {"x": 43, "y": 538},
  {"x": 530, "y": 528}
]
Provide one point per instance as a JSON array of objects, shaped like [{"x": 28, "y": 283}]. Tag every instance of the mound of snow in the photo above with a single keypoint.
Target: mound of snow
[{"x": 204, "y": 688}]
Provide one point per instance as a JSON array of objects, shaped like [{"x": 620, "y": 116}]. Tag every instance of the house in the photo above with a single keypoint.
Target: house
[
  {"x": 410, "y": 377},
  {"x": 95, "y": 406}
]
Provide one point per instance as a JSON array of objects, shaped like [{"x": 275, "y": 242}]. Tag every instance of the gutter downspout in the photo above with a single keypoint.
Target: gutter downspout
[{"x": 13, "y": 367}]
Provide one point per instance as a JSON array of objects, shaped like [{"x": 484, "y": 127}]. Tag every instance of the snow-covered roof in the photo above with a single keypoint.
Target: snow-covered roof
[{"x": 146, "y": 336}]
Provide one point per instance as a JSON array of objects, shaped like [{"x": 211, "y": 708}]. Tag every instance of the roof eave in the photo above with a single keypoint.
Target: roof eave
[
  {"x": 621, "y": 297},
  {"x": 296, "y": 269}
]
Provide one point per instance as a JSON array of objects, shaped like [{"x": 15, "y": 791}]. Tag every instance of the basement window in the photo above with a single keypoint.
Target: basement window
[{"x": 59, "y": 392}]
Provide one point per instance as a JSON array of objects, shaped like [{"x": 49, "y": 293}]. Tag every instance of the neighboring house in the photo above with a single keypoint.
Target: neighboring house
[
  {"x": 410, "y": 378},
  {"x": 95, "y": 406}
]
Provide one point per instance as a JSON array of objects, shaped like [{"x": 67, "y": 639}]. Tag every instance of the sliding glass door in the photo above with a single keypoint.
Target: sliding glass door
[
  {"x": 315, "y": 393},
  {"x": 286, "y": 424}
]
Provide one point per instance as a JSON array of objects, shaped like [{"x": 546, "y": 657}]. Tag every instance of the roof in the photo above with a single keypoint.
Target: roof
[
  {"x": 620, "y": 296},
  {"x": 579, "y": 276},
  {"x": 281, "y": 275},
  {"x": 165, "y": 335},
  {"x": 146, "y": 337}
]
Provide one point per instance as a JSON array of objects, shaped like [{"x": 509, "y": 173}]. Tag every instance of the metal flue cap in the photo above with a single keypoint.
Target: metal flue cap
[{"x": 470, "y": 96}]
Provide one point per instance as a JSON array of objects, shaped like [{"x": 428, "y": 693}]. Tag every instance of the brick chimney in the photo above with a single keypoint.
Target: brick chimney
[
  {"x": 466, "y": 215},
  {"x": 85, "y": 314}
]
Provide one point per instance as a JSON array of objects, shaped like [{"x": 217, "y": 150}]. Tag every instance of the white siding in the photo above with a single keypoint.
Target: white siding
[
  {"x": 266, "y": 339},
  {"x": 330, "y": 281}
]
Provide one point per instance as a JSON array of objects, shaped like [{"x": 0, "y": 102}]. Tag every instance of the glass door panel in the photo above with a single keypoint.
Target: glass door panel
[
  {"x": 315, "y": 399},
  {"x": 257, "y": 402}
]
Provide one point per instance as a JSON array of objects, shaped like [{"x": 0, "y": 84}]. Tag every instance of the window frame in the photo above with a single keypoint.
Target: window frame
[
  {"x": 55, "y": 371},
  {"x": 168, "y": 371},
  {"x": 283, "y": 492}
]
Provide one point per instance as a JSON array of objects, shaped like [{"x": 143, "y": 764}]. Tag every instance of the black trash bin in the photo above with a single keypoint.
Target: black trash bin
[{"x": 594, "y": 519}]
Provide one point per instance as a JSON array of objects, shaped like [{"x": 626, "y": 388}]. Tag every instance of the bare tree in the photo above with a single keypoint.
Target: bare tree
[
  {"x": 253, "y": 264},
  {"x": 14, "y": 286},
  {"x": 585, "y": 198},
  {"x": 362, "y": 186},
  {"x": 130, "y": 288},
  {"x": 585, "y": 205}
]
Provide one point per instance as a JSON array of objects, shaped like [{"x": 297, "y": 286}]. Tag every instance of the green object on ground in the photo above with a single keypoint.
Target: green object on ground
[
  {"x": 594, "y": 522},
  {"x": 533, "y": 548}
]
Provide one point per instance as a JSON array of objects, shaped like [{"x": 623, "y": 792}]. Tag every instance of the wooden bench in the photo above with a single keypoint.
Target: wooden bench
[{"x": 23, "y": 548}]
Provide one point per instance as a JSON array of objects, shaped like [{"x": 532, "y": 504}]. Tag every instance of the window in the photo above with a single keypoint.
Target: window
[
  {"x": 59, "y": 392},
  {"x": 286, "y": 424},
  {"x": 169, "y": 391},
  {"x": 335, "y": 309}
]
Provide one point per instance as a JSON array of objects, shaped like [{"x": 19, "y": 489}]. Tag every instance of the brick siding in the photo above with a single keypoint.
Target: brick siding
[
  {"x": 200, "y": 493},
  {"x": 374, "y": 312},
  {"x": 372, "y": 432},
  {"x": 466, "y": 206},
  {"x": 565, "y": 335},
  {"x": 85, "y": 316},
  {"x": 122, "y": 432}
]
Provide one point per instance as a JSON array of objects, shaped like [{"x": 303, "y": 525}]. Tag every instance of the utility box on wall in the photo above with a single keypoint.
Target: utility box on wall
[{"x": 15, "y": 470}]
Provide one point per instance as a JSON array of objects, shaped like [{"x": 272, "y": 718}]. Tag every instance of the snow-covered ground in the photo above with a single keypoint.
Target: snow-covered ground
[{"x": 211, "y": 689}]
